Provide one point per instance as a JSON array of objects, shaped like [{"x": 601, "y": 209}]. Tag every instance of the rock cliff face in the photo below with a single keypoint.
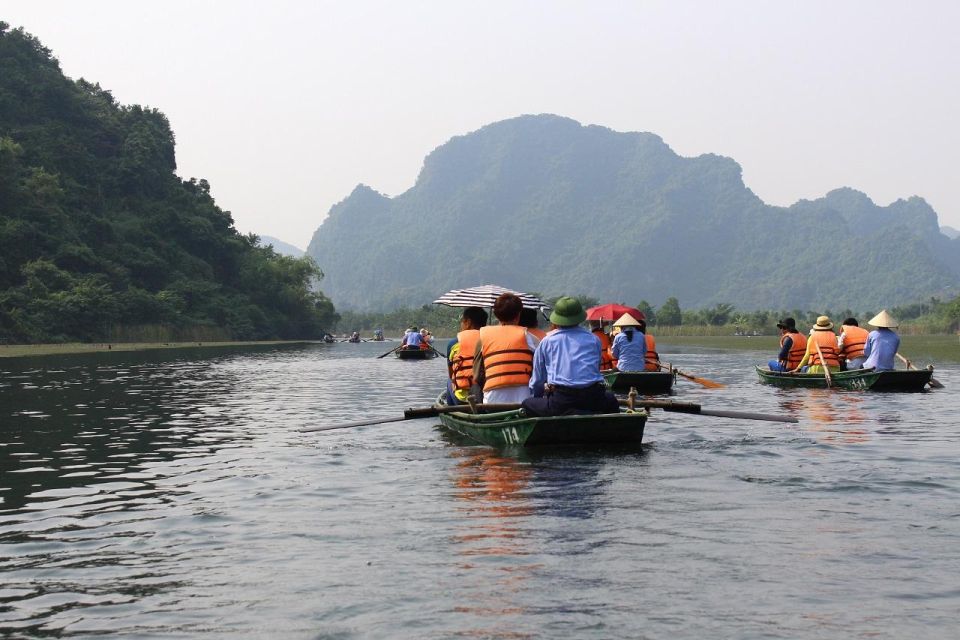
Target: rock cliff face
[{"x": 542, "y": 203}]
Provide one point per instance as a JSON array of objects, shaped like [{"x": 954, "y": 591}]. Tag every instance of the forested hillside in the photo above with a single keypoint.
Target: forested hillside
[
  {"x": 541, "y": 203},
  {"x": 99, "y": 236}
]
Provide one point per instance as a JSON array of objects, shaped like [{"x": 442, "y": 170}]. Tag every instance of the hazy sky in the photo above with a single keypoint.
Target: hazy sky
[{"x": 286, "y": 106}]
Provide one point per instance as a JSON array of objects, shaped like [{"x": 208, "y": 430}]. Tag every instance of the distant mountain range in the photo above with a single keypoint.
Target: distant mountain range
[
  {"x": 281, "y": 247},
  {"x": 543, "y": 203},
  {"x": 950, "y": 232}
]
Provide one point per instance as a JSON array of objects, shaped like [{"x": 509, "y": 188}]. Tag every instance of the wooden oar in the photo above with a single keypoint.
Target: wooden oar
[
  {"x": 933, "y": 382},
  {"x": 709, "y": 384},
  {"x": 690, "y": 407},
  {"x": 823, "y": 363},
  {"x": 391, "y": 351},
  {"x": 413, "y": 414},
  {"x": 435, "y": 351}
]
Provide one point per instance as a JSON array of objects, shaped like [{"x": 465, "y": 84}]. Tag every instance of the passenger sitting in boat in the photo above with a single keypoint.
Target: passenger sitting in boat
[
  {"x": 504, "y": 356},
  {"x": 793, "y": 345},
  {"x": 412, "y": 340},
  {"x": 566, "y": 368},
  {"x": 652, "y": 357},
  {"x": 850, "y": 344},
  {"x": 528, "y": 319},
  {"x": 607, "y": 361},
  {"x": 822, "y": 336},
  {"x": 425, "y": 339},
  {"x": 882, "y": 344},
  {"x": 461, "y": 352},
  {"x": 630, "y": 345}
]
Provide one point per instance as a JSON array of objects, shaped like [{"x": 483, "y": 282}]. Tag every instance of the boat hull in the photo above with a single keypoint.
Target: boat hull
[
  {"x": 513, "y": 429},
  {"x": 645, "y": 382},
  {"x": 857, "y": 380},
  {"x": 902, "y": 380},
  {"x": 416, "y": 354}
]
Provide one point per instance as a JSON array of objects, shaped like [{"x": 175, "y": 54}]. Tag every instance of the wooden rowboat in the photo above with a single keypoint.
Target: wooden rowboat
[
  {"x": 856, "y": 380},
  {"x": 903, "y": 380},
  {"x": 514, "y": 429},
  {"x": 416, "y": 354},
  {"x": 645, "y": 382}
]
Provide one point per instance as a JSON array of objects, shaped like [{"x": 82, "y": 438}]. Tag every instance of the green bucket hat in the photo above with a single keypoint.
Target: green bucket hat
[{"x": 567, "y": 312}]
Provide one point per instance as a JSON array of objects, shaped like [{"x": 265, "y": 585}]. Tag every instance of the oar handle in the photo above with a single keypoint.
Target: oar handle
[{"x": 696, "y": 409}]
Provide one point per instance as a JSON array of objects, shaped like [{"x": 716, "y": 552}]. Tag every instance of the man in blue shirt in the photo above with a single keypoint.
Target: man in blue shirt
[
  {"x": 566, "y": 368},
  {"x": 413, "y": 339},
  {"x": 882, "y": 344}
]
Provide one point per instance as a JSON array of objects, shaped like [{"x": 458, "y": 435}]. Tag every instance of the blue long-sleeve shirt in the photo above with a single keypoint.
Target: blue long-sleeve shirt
[
  {"x": 569, "y": 357},
  {"x": 881, "y": 349},
  {"x": 630, "y": 354}
]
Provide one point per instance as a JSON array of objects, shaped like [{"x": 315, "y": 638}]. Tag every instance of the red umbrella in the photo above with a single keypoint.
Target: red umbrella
[{"x": 612, "y": 312}]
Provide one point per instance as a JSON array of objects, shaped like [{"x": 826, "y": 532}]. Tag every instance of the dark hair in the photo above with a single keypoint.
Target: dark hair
[
  {"x": 629, "y": 332},
  {"x": 851, "y": 322},
  {"x": 476, "y": 316},
  {"x": 528, "y": 318},
  {"x": 507, "y": 307}
]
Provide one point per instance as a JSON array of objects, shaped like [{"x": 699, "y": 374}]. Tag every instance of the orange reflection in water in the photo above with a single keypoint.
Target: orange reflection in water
[
  {"x": 837, "y": 416},
  {"x": 490, "y": 489}
]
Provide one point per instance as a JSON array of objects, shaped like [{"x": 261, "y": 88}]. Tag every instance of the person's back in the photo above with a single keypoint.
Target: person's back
[
  {"x": 504, "y": 358},
  {"x": 607, "y": 359},
  {"x": 851, "y": 343},
  {"x": 630, "y": 345},
  {"x": 882, "y": 344},
  {"x": 414, "y": 340}
]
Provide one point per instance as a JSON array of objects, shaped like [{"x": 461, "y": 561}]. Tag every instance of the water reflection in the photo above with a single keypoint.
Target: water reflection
[{"x": 835, "y": 417}]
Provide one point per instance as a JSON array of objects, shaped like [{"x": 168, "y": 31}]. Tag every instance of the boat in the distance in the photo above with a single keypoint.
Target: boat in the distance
[
  {"x": 415, "y": 353},
  {"x": 855, "y": 380},
  {"x": 645, "y": 382}
]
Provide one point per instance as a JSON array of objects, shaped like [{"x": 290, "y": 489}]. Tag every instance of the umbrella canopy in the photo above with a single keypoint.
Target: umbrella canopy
[
  {"x": 484, "y": 296},
  {"x": 613, "y": 311}
]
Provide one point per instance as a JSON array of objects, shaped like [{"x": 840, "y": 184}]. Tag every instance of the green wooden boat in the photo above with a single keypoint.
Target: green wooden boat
[
  {"x": 514, "y": 429},
  {"x": 903, "y": 380},
  {"x": 856, "y": 380},
  {"x": 645, "y": 382},
  {"x": 416, "y": 354}
]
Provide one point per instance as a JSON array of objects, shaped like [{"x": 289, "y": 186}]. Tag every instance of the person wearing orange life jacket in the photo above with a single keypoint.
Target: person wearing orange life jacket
[
  {"x": 850, "y": 344},
  {"x": 793, "y": 345},
  {"x": 460, "y": 354},
  {"x": 652, "y": 358},
  {"x": 822, "y": 336},
  {"x": 504, "y": 355},
  {"x": 528, "y": 319},
  {"x": 607, "y": 361}
]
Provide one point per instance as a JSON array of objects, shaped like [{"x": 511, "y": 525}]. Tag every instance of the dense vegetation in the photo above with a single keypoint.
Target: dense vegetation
[
  {"x": 543, "y": 203},
  {"x": 99, "y": 238}
]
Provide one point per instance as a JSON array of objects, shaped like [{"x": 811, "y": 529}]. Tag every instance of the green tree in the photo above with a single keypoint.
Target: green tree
[{"x": 669, "y": 314}]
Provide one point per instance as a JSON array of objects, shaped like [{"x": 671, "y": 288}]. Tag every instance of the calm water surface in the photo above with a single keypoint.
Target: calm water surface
[{"x": 173, "y": 495}]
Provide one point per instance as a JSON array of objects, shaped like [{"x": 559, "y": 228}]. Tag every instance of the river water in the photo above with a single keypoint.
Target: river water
[{"x": 171, "y": 494}]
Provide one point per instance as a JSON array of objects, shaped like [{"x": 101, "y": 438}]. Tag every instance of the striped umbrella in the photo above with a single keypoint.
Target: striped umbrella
[{"x": 485, "y": 296}]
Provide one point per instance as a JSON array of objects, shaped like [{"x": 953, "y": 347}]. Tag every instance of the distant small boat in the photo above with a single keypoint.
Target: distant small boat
[
  {"x": 415, "y": 353},
  {"x": 645, "y": 382},
  {"x": 856, "y": 380},
  {"x": 903, "y": 380}
]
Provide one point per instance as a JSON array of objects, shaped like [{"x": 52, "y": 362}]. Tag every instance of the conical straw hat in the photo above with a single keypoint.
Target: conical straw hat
[
  {"x": 884, "y": 319},
  {"x": 627, "y": 320}
]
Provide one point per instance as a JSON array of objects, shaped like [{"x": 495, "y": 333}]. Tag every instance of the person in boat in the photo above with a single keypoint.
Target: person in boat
[
  {"x": 566, "y": 368},
  {"x": 461, "y": 352},
  {"x": 882, "y": 343},
  {"x": 426, "y": 338},
  {"x": 355, "y": 336},
  {"x": 413, "y": 339},
  {"x": 504, "y": 356},
  {"x": 652, "y": 357},
  {"x": 793, "y": 345},
  {"x": 528, "y": 319},
  {"x": 821, "y": 335},
  {"x": 607, "y": 361},
  {"x": 378, "y": 335},
  {"x": 850, "y": 344},
  {"x": 630, "y": 345}
]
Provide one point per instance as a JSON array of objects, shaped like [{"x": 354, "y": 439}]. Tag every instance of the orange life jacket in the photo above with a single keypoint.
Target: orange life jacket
[
  {"x": 539, "y": 334},
  {"x": 854, "y": 340},
  {"x": 425, "y": 345},
  {"x": 606, "y": 355},
  {"x": 461, "y": 369},
  {"x": 828, "y": 346},
  {"x": 652, "y": 358},
  {"x": 507, "y": 358},
  {"x": 797, "y": 349}
]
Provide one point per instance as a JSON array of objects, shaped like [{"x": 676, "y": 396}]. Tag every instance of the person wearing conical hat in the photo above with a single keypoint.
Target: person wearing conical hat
[
  {"x": 630, "y": 345},
  {"x": 566, "y": 368},
  {"x": 882, "y": 343},
  {"x": 821, "y": 335}
]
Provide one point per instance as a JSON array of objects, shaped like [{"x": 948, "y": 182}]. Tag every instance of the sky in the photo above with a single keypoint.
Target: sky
[{"x": 284, "y": 106}]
